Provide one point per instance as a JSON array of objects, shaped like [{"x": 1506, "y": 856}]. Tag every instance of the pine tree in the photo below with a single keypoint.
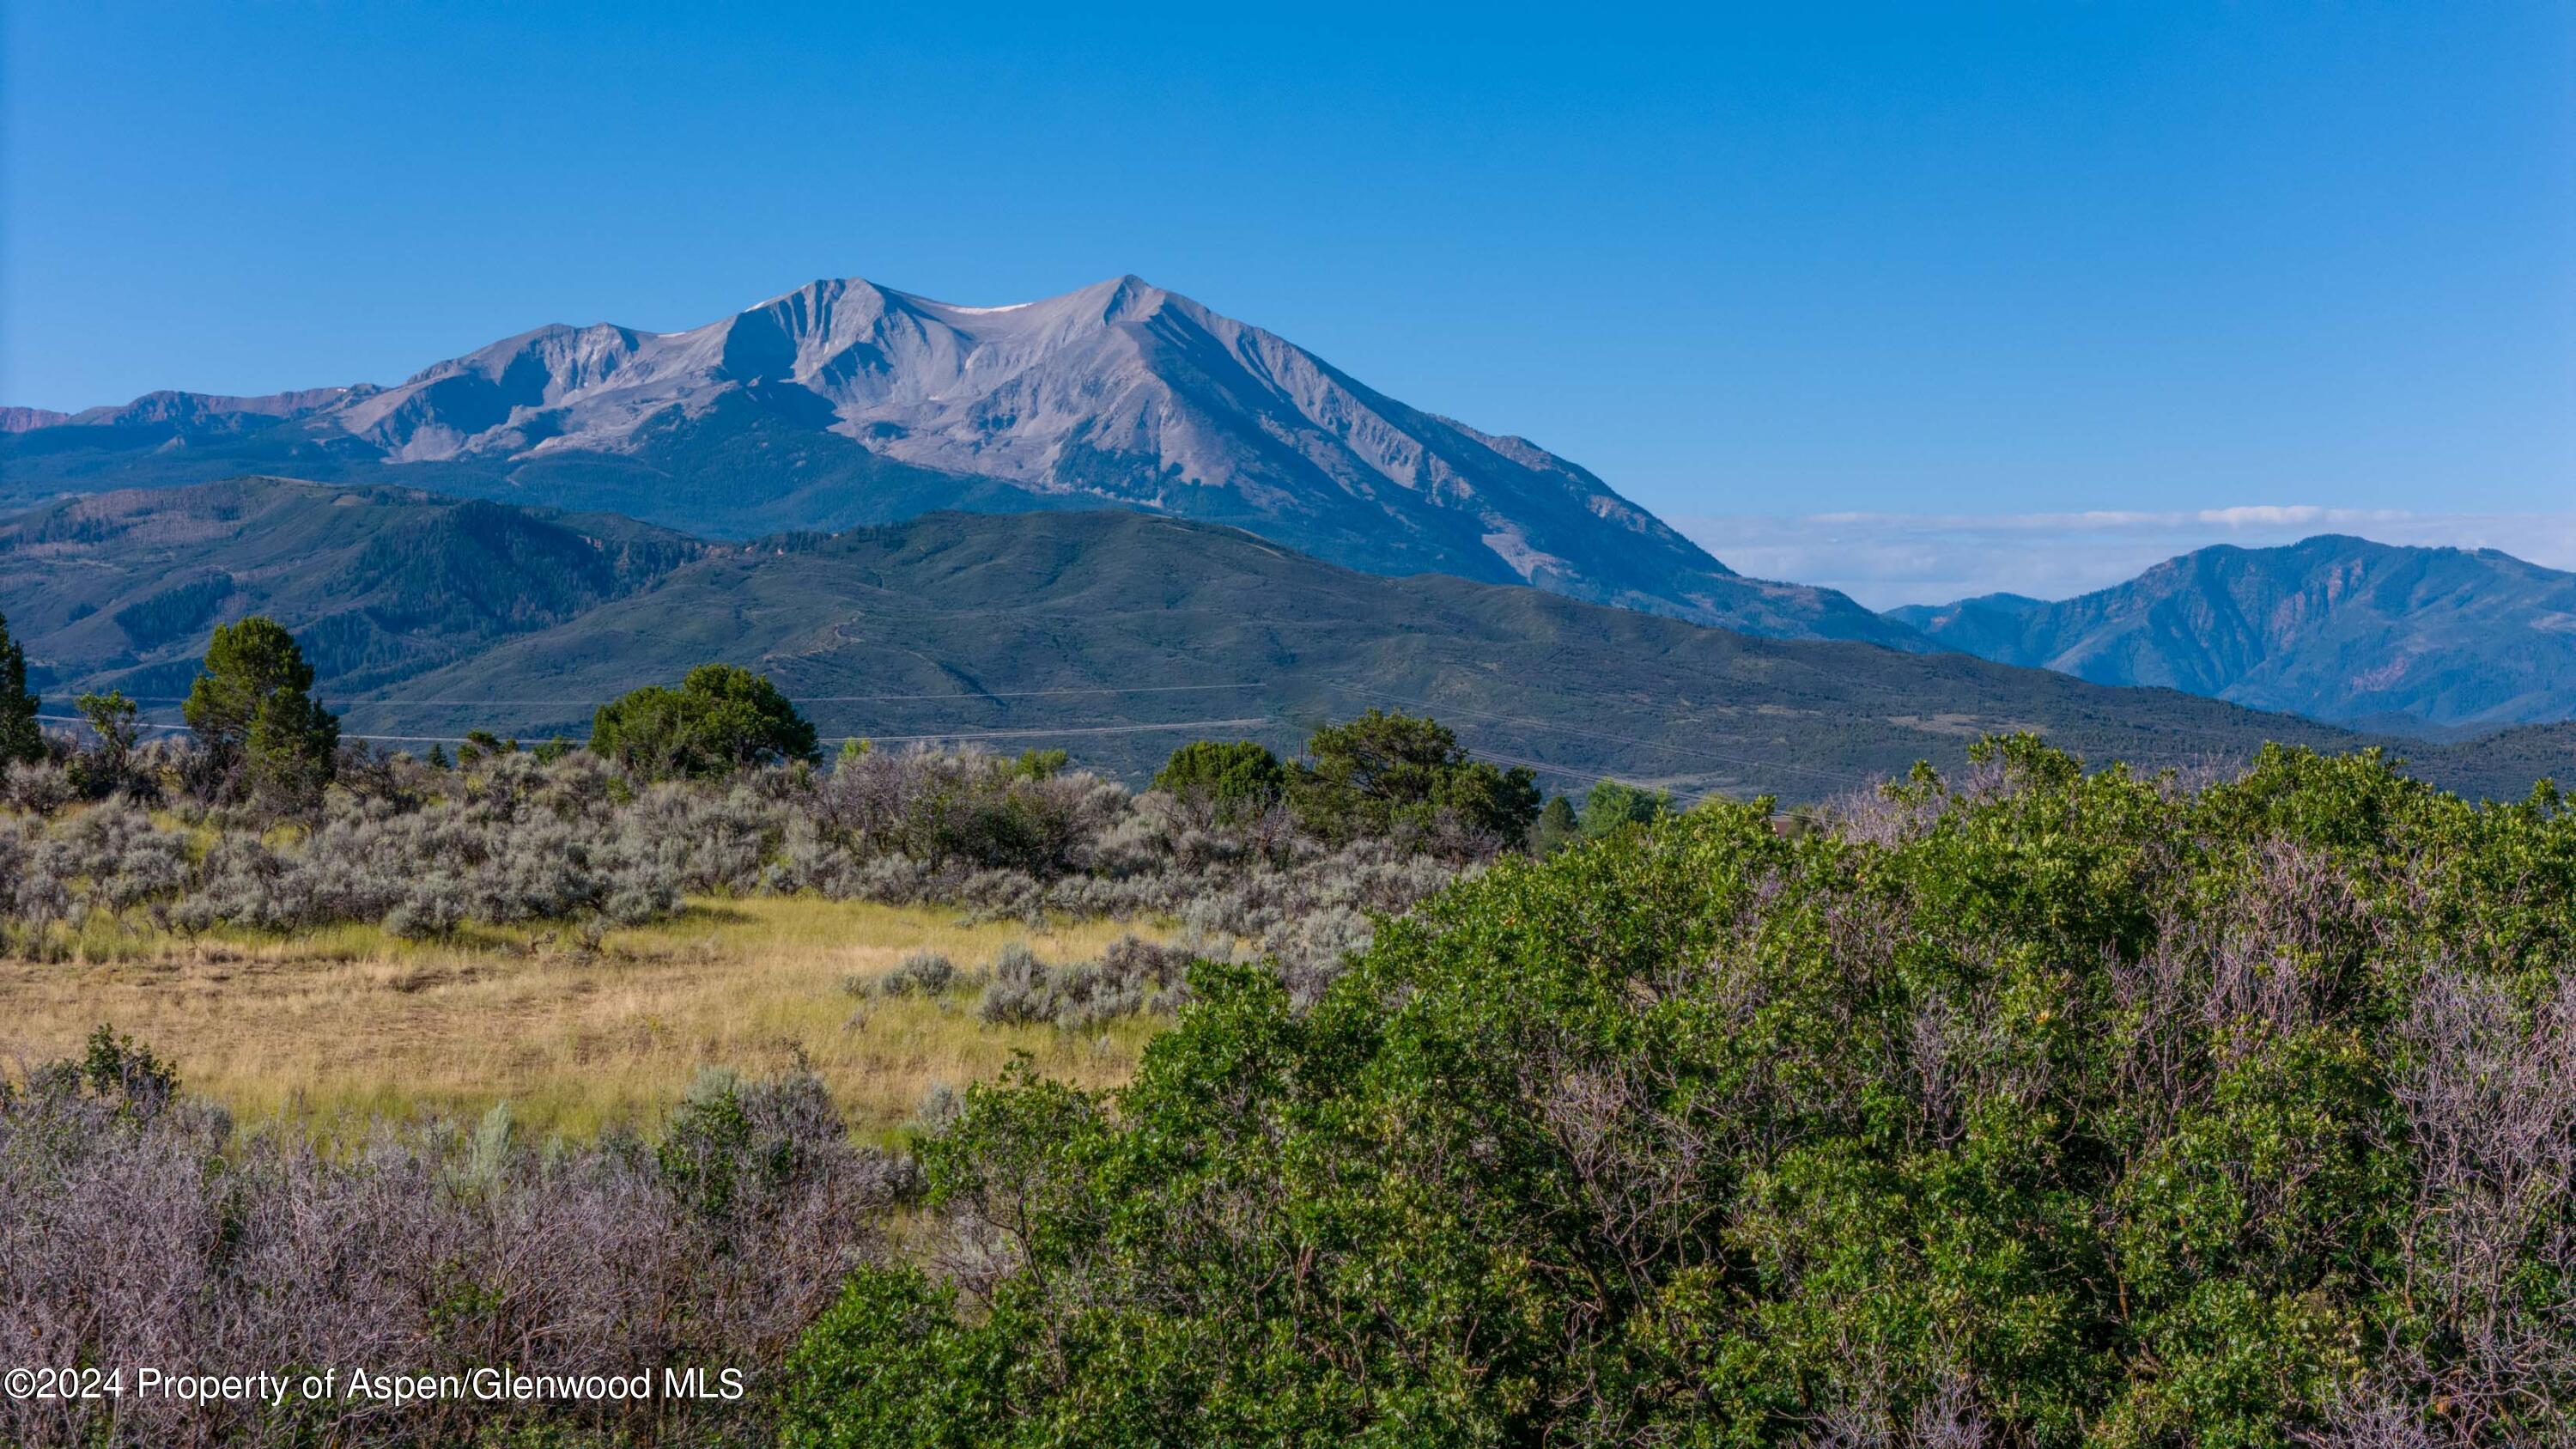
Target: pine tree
[
  {"x": 253, "y": 712},
  {"x": 22, "y": 740}
]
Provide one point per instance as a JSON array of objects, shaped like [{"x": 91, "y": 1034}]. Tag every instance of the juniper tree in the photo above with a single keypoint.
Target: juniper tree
[
  {"x": 253, "y": 713},
  {"x": 1383, "y": 774},
  {"x": 1556, "y": 829},
  {"x": 721, "y": 719}
]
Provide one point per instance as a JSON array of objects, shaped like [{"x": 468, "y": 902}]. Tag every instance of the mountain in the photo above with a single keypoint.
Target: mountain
[
  {"x": 121, "y": 589},
  {"x": 1989, "y": 625},
  {"x": 23, "y": 420},
  {"x": 845, "y": 403},
  {"x": 2338, "y": 628},
  {"x": 1112, "y": 633}
]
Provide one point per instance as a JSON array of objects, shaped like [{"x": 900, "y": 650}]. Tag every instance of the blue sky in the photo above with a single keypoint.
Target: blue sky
[{"x": 1918, "y": 262}]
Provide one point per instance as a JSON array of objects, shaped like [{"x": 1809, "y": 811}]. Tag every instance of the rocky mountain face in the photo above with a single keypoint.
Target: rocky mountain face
[
  {"x": 844, "y": 402},
  {"x": 2337, "y": 628},
  {"x": 27, "y": 420}
]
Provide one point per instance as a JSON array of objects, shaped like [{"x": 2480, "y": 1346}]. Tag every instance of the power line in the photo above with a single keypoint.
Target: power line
[
  {"x": 1022, "y": 693},
  {"x": 1247, "y": 722},
  {"x": 1362, "y": 692},
  {"x": 138, "y": 724},
  {"x": 1021, "y": 734},
  {"x": 1594, "y": 776},
  {"x": 185, "y": 730},
  {"x": 355, "y": 702}
]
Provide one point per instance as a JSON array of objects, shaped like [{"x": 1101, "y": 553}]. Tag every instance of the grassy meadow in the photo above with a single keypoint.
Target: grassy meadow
[{"x": 327, "y": 1027}]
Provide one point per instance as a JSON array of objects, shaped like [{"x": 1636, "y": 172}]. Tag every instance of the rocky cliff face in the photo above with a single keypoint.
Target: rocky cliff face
[{"x": 1120, "y": 394}]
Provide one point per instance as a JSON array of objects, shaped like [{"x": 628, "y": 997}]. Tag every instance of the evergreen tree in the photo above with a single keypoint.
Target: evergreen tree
[
  {"x": 21, "y": 740},
  {"x": 1382, "y": 773},
  {"x": 253, "y": 713},
  {"x": 481, "y": 745},
  {"x": 722, "y": 718}
]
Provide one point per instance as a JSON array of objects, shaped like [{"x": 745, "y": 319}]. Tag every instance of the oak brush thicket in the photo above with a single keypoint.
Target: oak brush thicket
[{"x": 2030, "y": 1108}]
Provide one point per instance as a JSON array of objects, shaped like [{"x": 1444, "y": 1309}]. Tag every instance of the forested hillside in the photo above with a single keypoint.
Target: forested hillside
[
  {"x": 122, "y": 589},
  {"x": 1111, "y": 634}
]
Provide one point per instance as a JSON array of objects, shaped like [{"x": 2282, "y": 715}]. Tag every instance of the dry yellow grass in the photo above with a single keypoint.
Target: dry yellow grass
[{"x": 328, "y": 1028}]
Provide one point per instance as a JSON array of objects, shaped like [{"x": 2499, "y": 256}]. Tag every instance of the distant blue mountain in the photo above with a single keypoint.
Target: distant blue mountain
[{"x": 2335, "y": 628}]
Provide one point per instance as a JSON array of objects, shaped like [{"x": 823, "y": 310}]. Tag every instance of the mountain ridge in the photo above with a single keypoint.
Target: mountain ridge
[
  {"x": 1118, "y": 634},
  {"x": 1118, "y": 394},
  {"x": 2335, "y": 627}
]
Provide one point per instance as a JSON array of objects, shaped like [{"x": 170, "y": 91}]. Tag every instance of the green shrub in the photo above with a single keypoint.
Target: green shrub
[
  {"x": 1041, "y": 764},
  {"x": 1231, "y": 781},
  {"x": 721, "y": 719},
  {"x": 2041, "y": 1108},
  {"x": 1611, "y": 804},
  {"x": 1388, "y": 774},
  {"x": 891, "y": 1363}
]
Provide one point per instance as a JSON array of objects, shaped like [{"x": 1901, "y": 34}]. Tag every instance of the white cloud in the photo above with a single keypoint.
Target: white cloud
[{"x": 1886, "y": 559}]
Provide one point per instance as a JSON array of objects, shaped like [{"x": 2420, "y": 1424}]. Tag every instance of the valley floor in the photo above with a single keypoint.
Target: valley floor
[{"x": 329, "y": 1028}]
